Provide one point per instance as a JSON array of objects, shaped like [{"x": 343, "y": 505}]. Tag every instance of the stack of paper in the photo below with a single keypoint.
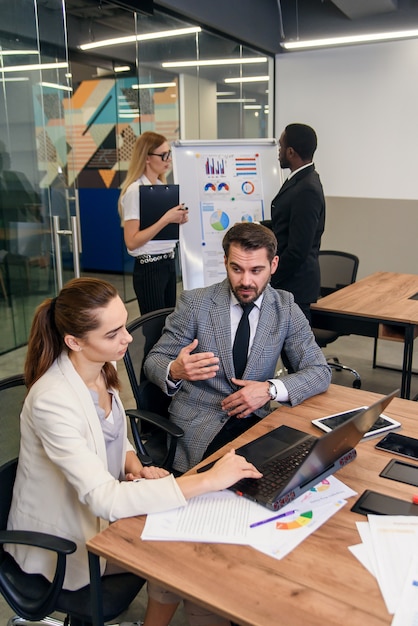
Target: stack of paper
[
  {"x": 224, "y": 517},
  {"x": 389, "y": 550}
]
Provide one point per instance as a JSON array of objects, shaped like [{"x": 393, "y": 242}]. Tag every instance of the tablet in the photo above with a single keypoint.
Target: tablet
[{"x": 382, "y": 425}]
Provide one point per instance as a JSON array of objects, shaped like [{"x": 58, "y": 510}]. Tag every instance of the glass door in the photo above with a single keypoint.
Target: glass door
[{"x": 35, "y": 186}]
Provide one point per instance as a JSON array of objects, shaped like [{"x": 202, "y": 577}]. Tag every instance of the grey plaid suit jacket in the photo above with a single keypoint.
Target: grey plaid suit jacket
[{"x": 205, "y": 314}]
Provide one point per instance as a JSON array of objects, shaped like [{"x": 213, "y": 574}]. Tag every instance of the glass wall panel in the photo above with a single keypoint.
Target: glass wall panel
[
  {"x": 33, "y": 158},
  {"x": 155, "y": 73},
  {"x": 72, "y": 104}
]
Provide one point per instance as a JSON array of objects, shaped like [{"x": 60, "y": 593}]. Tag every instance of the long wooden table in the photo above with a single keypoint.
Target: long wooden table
[
  {"x": 380, "y": 305},
  {"x": 319, "y": 583}
]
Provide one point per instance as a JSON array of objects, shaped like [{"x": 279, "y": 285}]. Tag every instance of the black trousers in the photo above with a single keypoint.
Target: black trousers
[
  {"x": 155, "y": 284},
  {"x": 231, "y": 429}
]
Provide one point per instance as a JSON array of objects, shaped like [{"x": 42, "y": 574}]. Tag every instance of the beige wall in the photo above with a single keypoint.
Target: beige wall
[
  {"x": 363, "y": 102},
  {"x": 382, "y": 233}
]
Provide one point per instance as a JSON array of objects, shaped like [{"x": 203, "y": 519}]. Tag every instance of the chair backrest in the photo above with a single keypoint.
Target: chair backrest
[
  {"x": 145, "y": 330},
  {"x": 12, "y": 395},
  {"x": 338, "y": 269},
  {"x": 31, "y": 596}
]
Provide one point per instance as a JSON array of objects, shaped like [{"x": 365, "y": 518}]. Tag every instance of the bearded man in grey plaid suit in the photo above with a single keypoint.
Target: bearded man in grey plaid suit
[{"x": 192, "y": 361}]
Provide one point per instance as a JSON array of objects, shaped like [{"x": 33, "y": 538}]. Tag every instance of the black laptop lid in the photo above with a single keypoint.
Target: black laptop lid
[{"x": 334, "y": 444}]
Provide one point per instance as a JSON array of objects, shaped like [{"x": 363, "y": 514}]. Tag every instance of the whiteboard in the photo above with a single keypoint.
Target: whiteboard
[{"x": 221, "y": 182}]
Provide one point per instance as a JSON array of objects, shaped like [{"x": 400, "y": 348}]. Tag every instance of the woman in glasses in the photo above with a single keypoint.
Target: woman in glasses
[{"x": 154, "y": 276}]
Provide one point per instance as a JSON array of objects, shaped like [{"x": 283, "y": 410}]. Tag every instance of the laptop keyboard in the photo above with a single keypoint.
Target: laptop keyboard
[{"x": 276, "y": 472}]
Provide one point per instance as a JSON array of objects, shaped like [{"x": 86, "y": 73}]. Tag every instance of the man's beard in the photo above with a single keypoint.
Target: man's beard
[{"x": 252, "y": 296}]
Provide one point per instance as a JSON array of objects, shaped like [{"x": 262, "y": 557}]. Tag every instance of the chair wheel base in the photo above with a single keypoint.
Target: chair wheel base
[{"x": 335, "y": 364}]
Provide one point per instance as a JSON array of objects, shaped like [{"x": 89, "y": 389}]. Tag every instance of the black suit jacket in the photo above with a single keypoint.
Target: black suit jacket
[{"x": 298, "y": 221}]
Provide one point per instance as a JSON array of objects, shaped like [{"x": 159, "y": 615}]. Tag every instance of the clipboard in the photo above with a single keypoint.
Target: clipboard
[{"x": 154, "y": 201}]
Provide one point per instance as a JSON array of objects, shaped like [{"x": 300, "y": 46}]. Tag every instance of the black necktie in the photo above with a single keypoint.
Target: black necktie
[{"x": 241, "y": 341}]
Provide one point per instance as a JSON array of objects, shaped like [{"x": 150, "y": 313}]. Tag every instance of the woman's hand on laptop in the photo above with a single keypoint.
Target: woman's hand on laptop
[
  {"x": 226, "y": 472},
  {"x": 230, "y": 469}
]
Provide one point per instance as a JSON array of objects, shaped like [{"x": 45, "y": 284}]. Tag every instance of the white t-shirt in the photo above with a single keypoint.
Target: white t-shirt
[{"x": 130, "y": 208}]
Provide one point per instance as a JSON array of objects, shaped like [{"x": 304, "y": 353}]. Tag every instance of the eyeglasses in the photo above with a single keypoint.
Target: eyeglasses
[{"x": 164, "y": 156}]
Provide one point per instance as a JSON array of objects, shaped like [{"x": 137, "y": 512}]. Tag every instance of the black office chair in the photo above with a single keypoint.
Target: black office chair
[
  {"x": 338, "y": 269},
  {"x": 31, "y": 596},
  {"x": 155, "y": 437}
]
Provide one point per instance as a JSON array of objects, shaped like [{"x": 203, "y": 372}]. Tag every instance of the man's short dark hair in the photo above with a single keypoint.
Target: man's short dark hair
[
  {"x": 302, "y": 139},
  {"x": 250, "y": 236}
]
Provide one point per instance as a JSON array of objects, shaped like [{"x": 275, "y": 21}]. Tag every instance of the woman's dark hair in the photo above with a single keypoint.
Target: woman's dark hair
[
  {"x": 72, "y": 312},
  {"x": 250, "y": 236}
]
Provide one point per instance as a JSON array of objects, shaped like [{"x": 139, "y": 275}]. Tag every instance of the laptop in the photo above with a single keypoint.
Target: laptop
[{"x": 293, "y": 461}]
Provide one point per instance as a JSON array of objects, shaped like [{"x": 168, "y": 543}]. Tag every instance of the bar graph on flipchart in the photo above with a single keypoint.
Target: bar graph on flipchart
[{"x": 222, "y": 183}]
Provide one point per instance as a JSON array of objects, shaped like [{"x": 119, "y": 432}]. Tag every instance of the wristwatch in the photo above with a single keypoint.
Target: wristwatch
[{"x": 272, "y": 391}]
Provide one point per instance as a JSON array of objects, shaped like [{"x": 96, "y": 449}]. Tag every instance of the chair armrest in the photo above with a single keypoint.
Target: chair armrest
[
  {"x": 40, "y": 540},
  {"x": 14, "y": 582},
  {"x": 156, "y": 420},
  {"x": 174, "y": 433}
]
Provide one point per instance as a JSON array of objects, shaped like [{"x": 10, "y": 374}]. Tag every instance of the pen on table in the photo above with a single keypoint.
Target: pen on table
[{"x": 271, "y": 519}]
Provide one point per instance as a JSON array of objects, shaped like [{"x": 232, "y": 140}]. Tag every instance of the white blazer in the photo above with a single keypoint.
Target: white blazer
[{"x": 63, "y": 486}]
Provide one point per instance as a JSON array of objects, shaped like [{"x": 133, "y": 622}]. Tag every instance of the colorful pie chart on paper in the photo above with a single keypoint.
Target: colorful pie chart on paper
[
  {"x": 301, "y": 520},
  {"x": 323, "y": 486},
  {"x": 247, "y": 187},
  {"x": 210, "y": 187},
  {"x": 219, "y": 220},
  {"x": 223, "y": 187}
]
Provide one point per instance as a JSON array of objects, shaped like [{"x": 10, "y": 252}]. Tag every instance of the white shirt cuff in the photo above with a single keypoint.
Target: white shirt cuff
[
  {"x": 170, "y": 384},
  {"x": 282, "y": 394}
]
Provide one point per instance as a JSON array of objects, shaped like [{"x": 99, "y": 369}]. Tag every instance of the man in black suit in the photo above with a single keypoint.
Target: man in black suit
[{"x": 298, "y": 217}]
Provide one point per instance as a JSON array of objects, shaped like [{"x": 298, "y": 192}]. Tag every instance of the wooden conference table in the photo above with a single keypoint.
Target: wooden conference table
[
  {"x": 319, "y": 583},
  {"x": 381, "y": 305}
]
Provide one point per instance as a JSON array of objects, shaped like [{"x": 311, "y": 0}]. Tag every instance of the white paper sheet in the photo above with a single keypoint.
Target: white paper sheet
[
  {"x": 220, "y": 517},
  {"x": 364, "y": 552},
  {"x": 224, "y": 517},
  {"x": 359, "y": 551},
  {"x": 395, "y": 540},
  {"x": 288, "y": 533},
  {"x": 407, "y": 610}
]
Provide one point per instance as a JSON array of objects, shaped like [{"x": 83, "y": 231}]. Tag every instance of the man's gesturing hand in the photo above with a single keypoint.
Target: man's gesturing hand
[{"x": 199, "y": 366}]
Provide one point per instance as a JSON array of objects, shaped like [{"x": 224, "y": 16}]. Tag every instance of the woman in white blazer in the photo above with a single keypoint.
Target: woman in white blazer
[{"x": 77, "y": 470}]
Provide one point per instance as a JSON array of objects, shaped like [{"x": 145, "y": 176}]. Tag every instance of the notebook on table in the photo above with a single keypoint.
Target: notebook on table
[{"x": 293, "y": 461}]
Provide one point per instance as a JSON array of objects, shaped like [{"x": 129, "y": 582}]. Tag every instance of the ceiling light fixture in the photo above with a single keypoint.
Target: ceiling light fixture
[
  {"x": 252, "y": 106},
  {"x": 247, "y": 79},
  {"x": 203, "y": 63},
  {"x": 9, "y": 53},
  {"x": 351, "y": 39},
  {"x": 35, "y": 66},
  {"x": 121, "y": 68},
  {"x": 56, "y": 86},
  {"x": 176, "y": 32},
  {"x": 235, "y": 100},
  {"x": 21, "y": 79},
  {"x": 153, "y": 85}
]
